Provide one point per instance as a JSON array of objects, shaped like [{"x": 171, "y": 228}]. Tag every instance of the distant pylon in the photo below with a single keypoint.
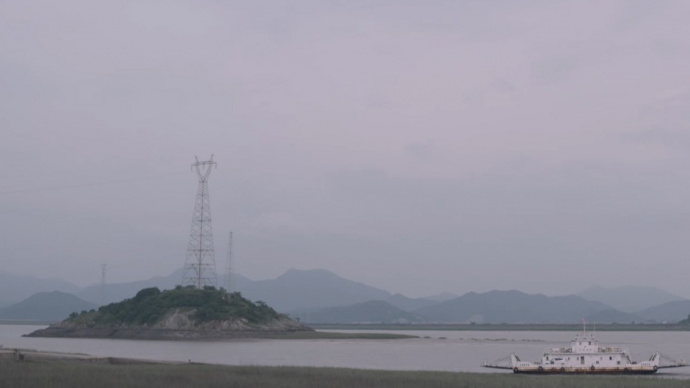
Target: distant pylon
[
  {"x": 229, "y": 281},
  {"x": 103, "y": 267},
  {"x": 200, "y": 265}
]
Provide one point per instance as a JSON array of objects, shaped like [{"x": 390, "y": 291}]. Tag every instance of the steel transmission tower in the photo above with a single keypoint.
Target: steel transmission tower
[
  {"x": 103, "y": 268},
  {"x": 200, "y": 265}
]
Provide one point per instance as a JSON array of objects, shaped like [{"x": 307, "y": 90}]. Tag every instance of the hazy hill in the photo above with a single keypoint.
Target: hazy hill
[
  {"x": 442, "y": 297},
  {"x": 310, "y": 289},
  {"x": 46, "y": 306},
  {"x": 667, "y": 312},
  {"x": 375, "y": 311},
  {"x": 14, "y": 288},
  {"x": 512, "y": 307},
  {"x": 629, "y": 299},
  {"x": 613, "y": 316},
  {"x": 408, "y": 304}
]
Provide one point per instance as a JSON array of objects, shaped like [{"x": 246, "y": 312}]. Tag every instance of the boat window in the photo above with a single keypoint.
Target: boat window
[
  {"x": 597, "y": 362},
  {"x": 610, "y": 358}
]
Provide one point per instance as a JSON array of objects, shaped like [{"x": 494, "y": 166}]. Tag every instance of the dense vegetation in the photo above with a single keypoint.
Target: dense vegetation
[
  {"x": 77, "y": 375},
  {"x": 151, "y": 304}
]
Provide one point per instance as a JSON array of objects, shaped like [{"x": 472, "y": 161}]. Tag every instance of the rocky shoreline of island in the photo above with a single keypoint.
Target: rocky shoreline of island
[{"x": 177, "y": 325}]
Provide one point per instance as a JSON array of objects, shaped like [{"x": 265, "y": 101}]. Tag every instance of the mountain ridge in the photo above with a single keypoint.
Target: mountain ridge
[
  {"x": 629, "y": 299},
  {"x": 668, "y": 312},
  {"x": 46, "y": 306},
  {"x": 313, "y": 290},
  {"x": 374, "y": 311},
  {"x": 511, "y": 306},
  {"x": 15, "y": 288}
]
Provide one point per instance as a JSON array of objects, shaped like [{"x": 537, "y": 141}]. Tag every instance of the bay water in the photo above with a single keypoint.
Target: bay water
[{"x": 458, "y": 351}]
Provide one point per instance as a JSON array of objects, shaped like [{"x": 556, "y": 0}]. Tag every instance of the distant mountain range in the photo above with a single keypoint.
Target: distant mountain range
[
  {"x": 667, "y": 312},
  {"x": 310, "y": 289},
  {"x": 46, "y": 306},
  {"x": 629, "y": 299},
  {"x": 409, "y": 304},
  {"x": 511, "y": 307},
  {"x": 320, "y": 296},
  {"x": 374, "y": 311},
  {"x": 14, "y": 288},
  {"x": 612, "y": 315}
]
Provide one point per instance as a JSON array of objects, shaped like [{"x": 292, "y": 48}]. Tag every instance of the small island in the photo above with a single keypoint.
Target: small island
[{"x": 184, "y": 313}]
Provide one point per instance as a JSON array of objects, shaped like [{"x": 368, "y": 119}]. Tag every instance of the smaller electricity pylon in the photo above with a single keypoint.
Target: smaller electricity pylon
[
  {"x": 229, "y": 275},
  {"x": 103, "y": 268}
]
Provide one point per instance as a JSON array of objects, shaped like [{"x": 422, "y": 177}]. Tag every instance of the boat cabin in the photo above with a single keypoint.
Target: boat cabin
[{"x": 585, "y": 351}]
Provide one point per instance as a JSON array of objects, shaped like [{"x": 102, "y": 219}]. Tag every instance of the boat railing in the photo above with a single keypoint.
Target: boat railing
[
  {"x": 599, "y": 350},
  {"x": 666, "y": 361},
  {"x": 502, "y": 363},
  {"x": 613, "y": 350},
  {"x": 559, "y": 350}
]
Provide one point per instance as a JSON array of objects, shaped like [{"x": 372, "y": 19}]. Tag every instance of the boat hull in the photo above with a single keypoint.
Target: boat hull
[{"x": 582, "y": 371}]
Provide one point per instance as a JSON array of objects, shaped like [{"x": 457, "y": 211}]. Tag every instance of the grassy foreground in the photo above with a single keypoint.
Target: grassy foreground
[{"x": 61, "y": 374}]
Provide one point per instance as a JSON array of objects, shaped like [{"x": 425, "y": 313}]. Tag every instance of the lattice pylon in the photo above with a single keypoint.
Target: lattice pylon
[{"x": 200, "y": 264}]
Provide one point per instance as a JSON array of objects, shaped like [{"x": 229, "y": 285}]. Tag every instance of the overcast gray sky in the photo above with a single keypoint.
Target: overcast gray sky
[{"x": 416, "y": 146}]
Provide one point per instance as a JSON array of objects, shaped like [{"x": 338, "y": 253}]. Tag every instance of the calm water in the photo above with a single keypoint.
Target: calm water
[{"x": 442, "y": 350}]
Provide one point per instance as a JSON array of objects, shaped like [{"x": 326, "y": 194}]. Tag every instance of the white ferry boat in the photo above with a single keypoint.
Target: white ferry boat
[{"x": 586, "y": 355}]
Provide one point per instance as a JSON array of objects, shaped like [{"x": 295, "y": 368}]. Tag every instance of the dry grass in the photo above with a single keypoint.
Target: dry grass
[{"x": 61, "y": 374}]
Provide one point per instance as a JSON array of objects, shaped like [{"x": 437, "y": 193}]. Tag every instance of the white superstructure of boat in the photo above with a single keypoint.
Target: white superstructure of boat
[{"x": 586, "y": 355}]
